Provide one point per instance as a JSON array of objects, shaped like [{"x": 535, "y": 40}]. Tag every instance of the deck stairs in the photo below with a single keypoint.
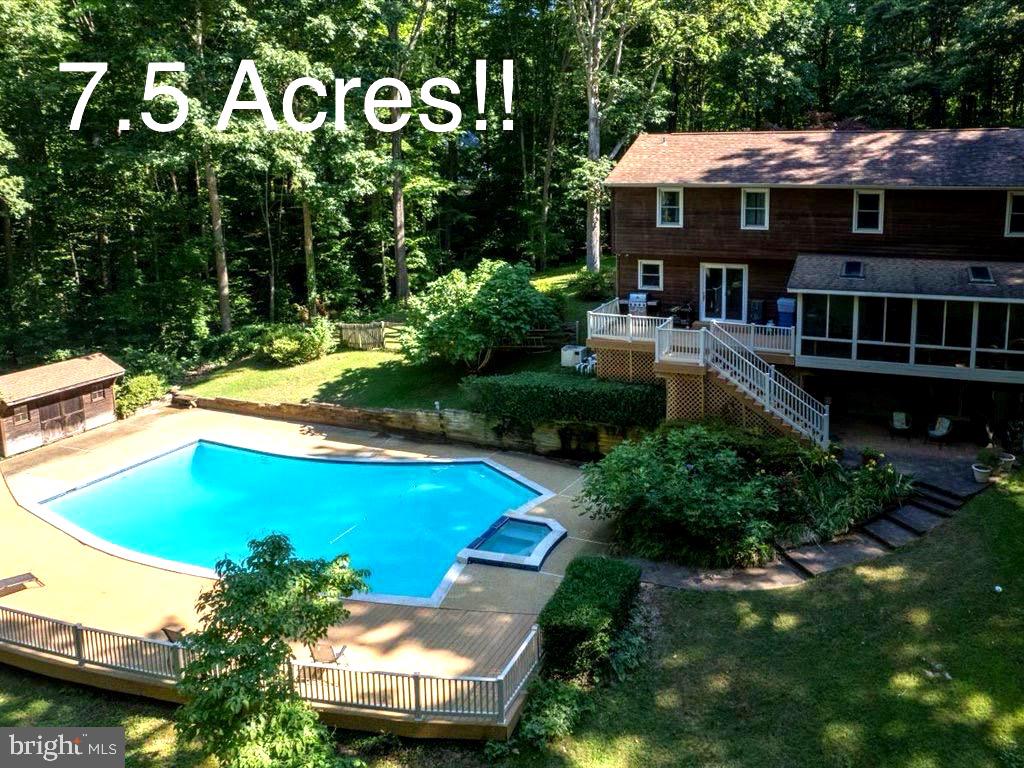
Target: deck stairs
[{"x": 779, "y": 398}]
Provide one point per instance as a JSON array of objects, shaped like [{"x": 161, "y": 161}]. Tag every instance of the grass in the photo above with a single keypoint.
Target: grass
[
  {"x": 847, "y": 670},
  {"x": 379, "y": 379}
]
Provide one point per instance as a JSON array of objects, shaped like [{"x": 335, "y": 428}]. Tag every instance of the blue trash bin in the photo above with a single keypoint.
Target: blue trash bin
[{"x": 787, "y": 312}]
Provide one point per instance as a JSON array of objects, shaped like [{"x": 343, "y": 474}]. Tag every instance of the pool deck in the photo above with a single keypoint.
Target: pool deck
[{"x": 476, "y": 629}]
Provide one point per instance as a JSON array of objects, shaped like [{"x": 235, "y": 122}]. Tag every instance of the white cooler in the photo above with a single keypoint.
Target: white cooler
[{"x": 572, "y": 355}]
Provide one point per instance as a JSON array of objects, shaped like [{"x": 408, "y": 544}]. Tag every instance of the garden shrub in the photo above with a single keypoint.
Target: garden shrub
[
  {"x": 239, "y": 342},
  {"x": 685, "y": 494},
  {"x": 523, "y": 400},
  {"x": 710, "y": 495},
  {"x": 291, "y": 344},
  {"x": 461, "y": 318},
  {"x": 136, "y": 392},
  {"x": 591, "y": 286},
  {"x": 580, "y": 621}
]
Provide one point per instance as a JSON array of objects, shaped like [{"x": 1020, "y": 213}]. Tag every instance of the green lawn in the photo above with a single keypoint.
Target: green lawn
[
  {"x": 380, "y": 379},
  {"x": 847, "y": 670},
  {"x": 369, "y": 378}
]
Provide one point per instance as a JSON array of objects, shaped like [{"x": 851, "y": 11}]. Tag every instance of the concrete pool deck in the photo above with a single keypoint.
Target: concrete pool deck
[{"x": 478, "y": 626}]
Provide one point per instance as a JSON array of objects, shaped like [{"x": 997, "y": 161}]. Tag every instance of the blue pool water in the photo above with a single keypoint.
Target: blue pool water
[
  {"x": 515, "y": 537},
  {"x": 404, "y": 521}
]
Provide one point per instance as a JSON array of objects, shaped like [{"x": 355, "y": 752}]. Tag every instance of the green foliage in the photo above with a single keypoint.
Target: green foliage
[
  {"x": 523, "y": 400},
  {"x": 137, "y": 392},
  {"x": 589, "y": 607},
  {"x": 591, "y": 286},
  {"x": 237, "y": 344},
  {"x": 685, "y": 494},
  {"x": 552, "y": 710},
  {"x": 460, "y": 318},
  {"x": 988, "y": 457},
  {"x": 291, "y": 345},
  {"x": 241, "y": 706},
  {"x": 718, "y": 496}
]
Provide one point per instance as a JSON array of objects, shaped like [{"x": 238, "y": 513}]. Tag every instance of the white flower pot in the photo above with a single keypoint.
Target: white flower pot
[
  {"x": 981, "y": 473},
  {"x": 1006, "y": 461}
]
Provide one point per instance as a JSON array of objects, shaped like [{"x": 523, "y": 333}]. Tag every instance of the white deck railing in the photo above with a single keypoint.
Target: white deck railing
[
  {"x": 605, "y": 322},
  {"x": 779, "y": 395},
  {"x": 763, "y": 338},
  {"x": 421, "y": 696},
  {"x": 677, "y": 345}
]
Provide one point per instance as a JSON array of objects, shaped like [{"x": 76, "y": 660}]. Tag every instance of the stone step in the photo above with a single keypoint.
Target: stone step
[
  {"x": 850, "y": 549},
  {"x": 890, "y": 533},
  {"x": 936, "y": 508},
  {"x": 947, "y": 494},
  {"x": 918, "y": 520}
]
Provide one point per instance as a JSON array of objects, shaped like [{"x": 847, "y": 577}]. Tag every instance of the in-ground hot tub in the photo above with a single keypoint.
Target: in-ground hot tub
[{"x": 515, "y": 541}]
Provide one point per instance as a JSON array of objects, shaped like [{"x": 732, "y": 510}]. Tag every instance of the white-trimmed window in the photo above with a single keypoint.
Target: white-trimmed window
[
  {"x": 754, "y": 208},
  {"x": 650, "y": 275},
  {"x": 21, "y": 414},
  {"x": 670, "y": 206},
  {"x": 99, "y": 394},
  {"x": 868, "y": 210},
  {"x": 723, "y": 292},
  {"x": 1015, "y": 214}
]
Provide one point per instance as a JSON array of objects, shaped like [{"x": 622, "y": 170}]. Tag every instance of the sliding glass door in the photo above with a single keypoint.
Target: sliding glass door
[{"x": 723, "y": 292}]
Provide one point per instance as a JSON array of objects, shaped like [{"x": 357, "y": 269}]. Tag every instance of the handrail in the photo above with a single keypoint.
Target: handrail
[
  {"x": 466, "y": 696},
  {"x": 762, "y": 338},
  {"x": 777, "y": 394}
]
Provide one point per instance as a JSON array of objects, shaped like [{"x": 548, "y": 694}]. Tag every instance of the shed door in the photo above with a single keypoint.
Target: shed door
[
  {"x": 51, "y": 422},
  {"x": 73, "y": 410}
]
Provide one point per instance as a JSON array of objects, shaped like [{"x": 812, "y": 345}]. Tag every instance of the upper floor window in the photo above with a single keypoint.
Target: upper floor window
[
  {"x": 868, "y": 210},
  {"x": 21, "y": 414},
  {"x": 1015, "y": 214},
  {"x": 754, "y": 209},
  {"x": 670, "y": 206},
  {"x": 650, "y": 275}
]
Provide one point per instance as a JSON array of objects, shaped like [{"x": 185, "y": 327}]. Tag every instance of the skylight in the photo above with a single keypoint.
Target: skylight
[
  {"x": 981, "y": 274},
  {"x": 853, "y": 269}
]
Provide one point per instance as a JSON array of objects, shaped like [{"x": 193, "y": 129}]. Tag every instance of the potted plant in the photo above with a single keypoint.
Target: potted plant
[
  {"x": 1006, "y": 460},
  {"x": 985, "y": 465}
]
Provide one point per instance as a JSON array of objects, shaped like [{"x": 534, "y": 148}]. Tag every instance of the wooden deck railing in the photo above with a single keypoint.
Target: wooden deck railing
[{"x": 487, "y": 699}]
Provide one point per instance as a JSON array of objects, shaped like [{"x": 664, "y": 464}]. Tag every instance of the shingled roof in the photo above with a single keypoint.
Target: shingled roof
[
  {"x": 983, "y": 158},
  {"x": 883, "y": 275},
  {"x": 33, "y": 383}
]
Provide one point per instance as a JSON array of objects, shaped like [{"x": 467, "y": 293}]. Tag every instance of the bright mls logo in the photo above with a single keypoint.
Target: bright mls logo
[{"x": 81, "y": 747}]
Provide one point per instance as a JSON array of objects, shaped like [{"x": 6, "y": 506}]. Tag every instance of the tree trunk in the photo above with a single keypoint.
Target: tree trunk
[
  {"x": 549, "y": 159},
  {"x": 307, "y": 249},
  {"x": 219, "y": 255},
  {"x": 272, "y": 276},
  {"x": 8, "y": 251},
  {"x": 398, "y": 215},
  {"x": 593, "y": 221}
]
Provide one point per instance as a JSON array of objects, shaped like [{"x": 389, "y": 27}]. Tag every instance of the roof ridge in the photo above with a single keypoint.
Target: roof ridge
[{"x": 745, "y": 132}]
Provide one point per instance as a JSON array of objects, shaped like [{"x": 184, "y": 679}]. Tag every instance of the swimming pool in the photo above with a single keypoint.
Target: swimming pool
[{"x": 405, "y": 521}]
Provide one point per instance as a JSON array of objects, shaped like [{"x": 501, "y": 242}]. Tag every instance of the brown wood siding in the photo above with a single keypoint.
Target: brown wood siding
[
  {"x": 920, "y": 223},
  {"x": 11, "y": 434}
]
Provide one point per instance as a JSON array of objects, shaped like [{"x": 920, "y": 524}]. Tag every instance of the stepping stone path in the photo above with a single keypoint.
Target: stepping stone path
[{"x": 927, "y": 508}]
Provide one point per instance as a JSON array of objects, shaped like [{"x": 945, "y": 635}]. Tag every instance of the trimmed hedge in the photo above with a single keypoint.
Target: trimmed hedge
[
  {"x": 524, "y": 400},
  {"x": 137, "y": 392},
  {"x": 589, "y": 607}
]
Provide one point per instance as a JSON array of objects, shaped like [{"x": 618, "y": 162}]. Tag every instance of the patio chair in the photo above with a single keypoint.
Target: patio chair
[
  {"x": 173, "y": 632},
  {"x": 941, "y": 432},
  {"x": 325, "y": 653},
  {"x": 900, "y": 424},
  {"x": 586, "y": 365},
  {"x": 13, "y": 584}
]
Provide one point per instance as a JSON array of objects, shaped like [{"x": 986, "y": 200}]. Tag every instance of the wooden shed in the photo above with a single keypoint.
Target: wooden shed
[{"x": 40, "y": 405}]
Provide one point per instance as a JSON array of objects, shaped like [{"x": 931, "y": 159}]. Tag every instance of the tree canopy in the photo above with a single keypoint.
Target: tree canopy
[{"x": 160, "y": 241}]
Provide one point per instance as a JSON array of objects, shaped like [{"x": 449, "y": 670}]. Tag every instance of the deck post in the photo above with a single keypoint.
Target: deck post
[
  {"x": 502, "y": 704},
  {"x": 417, "y": 698},
  {"x": 824, "y": 428},
  {"x": 177, "y": 661},
  {"x": 769, "y": 388},
  {"x": 78, "y": 632}
]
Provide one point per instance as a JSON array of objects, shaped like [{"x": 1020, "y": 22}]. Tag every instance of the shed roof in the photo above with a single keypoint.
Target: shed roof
[
  {"x": 33, "y": 383},
  {"x": 819, "y": 273},
  {"x": 965, "y": 158}
]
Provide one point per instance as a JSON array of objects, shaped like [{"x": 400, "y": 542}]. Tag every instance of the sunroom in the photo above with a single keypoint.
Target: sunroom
[{"x": 916, "y": 317}]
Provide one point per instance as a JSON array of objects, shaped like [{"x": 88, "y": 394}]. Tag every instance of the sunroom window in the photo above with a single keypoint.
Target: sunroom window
[
  {"x": 883, "y": 329},
  {"x": 944, "y": 332},
  {"x": 827, "y": 325},
  {"x": 670, "y": 207},
  {"x": 1000, "y": 336},
  {"x": 754, "y": 214}
]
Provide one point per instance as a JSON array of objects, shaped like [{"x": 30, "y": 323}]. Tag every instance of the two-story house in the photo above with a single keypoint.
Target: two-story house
[{"x": 892, "y": 252}]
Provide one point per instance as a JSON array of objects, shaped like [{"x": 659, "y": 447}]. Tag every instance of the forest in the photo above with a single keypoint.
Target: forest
[{"x": 164, "y": 243}]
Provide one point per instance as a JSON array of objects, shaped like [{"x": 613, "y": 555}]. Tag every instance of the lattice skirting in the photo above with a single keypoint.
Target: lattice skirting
[
  {"x": 691, "y": 397},
  {"x": 625, "y": 365}
]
